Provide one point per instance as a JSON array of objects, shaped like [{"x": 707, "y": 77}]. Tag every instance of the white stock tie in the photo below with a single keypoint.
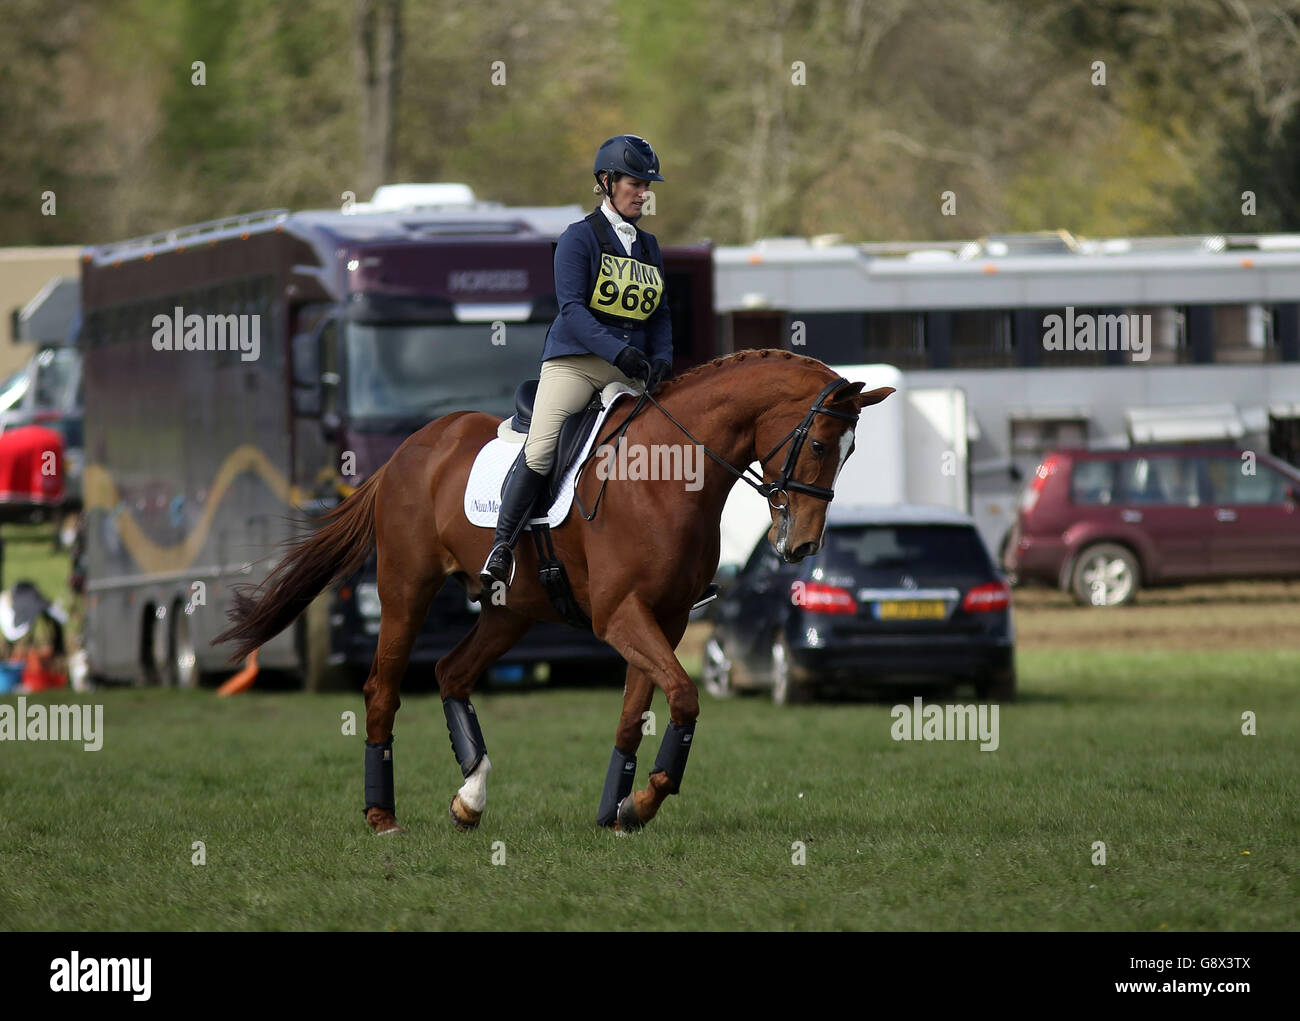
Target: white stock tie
[{"x": 626, "y": 234}]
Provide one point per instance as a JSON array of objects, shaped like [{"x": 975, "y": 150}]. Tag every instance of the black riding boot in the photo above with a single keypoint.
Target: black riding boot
[{"x": 521, "y": 492}]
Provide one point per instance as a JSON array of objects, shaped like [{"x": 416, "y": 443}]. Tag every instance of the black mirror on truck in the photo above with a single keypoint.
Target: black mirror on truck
[{"x": 306, "y": 361}]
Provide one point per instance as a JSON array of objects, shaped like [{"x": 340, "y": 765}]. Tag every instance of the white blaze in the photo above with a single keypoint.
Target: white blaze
[{"x": 846, "y": 441}]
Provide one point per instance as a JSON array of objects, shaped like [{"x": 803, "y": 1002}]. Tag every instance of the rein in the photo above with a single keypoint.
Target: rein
[{"x": 768, "y": 490}]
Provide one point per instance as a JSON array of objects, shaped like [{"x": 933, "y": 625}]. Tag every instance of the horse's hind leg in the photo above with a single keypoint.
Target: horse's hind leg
[
  {"x": 405, "y": 602},
  {"x": 494, "y": 633}
]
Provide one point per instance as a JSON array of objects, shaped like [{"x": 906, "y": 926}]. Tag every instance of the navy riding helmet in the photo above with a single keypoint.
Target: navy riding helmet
[{"x": 627, "y": 154}]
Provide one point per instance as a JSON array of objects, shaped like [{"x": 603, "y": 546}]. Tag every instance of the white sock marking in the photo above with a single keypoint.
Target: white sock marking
[{"x": 473, "y": 793}]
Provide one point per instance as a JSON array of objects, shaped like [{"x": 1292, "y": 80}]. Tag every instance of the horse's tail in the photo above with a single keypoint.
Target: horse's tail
[{"x": 337, "y": 546}]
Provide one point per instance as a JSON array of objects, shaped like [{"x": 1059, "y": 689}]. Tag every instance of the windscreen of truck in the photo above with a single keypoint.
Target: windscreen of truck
[
  {"x": 13, "y": 388},
  {"x": 58, "y": 375},
  {"x": 417, "y": 371}
]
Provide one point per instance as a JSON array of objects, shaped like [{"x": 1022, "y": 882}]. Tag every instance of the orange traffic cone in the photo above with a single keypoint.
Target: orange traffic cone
[{"x": 243, "y": 680}]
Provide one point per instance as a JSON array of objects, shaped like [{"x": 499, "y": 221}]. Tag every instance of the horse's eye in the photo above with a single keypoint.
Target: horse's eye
[{"x": 819, "y": 447}]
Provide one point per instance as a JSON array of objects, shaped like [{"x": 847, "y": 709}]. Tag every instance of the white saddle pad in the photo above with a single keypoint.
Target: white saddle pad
[{"x": 483, "y": 491}]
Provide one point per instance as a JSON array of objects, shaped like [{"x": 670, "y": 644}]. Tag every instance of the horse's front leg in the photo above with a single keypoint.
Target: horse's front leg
[{"x": 648, "y": 649}]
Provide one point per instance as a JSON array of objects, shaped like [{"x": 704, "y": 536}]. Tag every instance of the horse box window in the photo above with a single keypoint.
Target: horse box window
[
  {"x": 897, "y": 338},
  {"x": 1035, "y": 435},
  {"x": 836, "y": 338},
  {"x": 1244, "y": 333},
  {"x": 981, "y": 338}
]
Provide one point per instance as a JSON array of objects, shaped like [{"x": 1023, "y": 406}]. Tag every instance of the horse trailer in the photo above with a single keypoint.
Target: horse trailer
[{"x": 1054, "y": 341}]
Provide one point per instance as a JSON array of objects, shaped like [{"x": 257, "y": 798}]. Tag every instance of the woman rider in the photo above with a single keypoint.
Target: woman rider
[{"x": 613, "y": 326}]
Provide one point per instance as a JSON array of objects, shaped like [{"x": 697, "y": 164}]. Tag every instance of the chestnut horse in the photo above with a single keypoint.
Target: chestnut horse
[{"x": 636, "y": 568}]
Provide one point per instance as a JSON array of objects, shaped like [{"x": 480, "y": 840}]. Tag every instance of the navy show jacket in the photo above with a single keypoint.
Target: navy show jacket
[{"x": 575, "y": 330}]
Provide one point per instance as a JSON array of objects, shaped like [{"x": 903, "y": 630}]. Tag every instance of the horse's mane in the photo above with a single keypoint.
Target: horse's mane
[{"x": 732, "y": 360}]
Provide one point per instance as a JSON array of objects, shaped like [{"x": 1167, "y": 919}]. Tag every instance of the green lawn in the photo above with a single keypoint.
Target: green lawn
[{"x": 1141, "y": 751}]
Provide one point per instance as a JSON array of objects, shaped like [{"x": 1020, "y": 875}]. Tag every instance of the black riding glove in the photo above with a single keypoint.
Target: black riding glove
[
  {"x": 659, "y": 371},
  {"x": 633, "y": 364}
]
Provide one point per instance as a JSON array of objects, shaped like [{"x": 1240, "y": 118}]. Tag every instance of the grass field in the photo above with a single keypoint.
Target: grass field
[
  {"x": 1128, "y": 731},
  {"x": 1141, "y": 750}
]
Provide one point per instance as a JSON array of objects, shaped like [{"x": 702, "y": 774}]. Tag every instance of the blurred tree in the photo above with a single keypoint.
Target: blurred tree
[
  {"x": 1216, "y": 83},
  {"x": 1259, "y": 147},
  {"x": 779, "y": 116},
  {"x": 40, "y": 128},
  {"x": 377, "y": 39}
]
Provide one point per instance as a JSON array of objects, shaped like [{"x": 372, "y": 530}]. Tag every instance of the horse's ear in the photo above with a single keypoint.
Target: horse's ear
[
  {"x": 846, "y": 393},
  {"x": 872, "y": 396},
  {"x": 849, "y": 394}
]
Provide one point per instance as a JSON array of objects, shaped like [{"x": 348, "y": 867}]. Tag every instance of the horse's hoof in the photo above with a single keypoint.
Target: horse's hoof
[
  {"x": 383, "y": 823},
  {"x": 627, "y": 820},
  {"x": 466, "y": 818}
]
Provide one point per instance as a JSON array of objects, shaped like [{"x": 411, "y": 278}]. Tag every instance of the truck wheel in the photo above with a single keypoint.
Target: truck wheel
[
  {"x": 153, "y": 647},
  {"x": 1105, "y": 575},
  {"x": 183, "y": 661}
]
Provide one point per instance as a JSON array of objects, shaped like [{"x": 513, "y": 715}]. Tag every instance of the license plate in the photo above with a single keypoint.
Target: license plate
[{"x": 911, "y": 609}]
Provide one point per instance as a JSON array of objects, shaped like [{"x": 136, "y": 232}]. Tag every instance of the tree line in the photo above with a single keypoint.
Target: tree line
[{"x": 871, "y": 119}]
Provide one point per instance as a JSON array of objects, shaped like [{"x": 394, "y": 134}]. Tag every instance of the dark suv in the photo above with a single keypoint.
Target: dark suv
[
  {"x": 1102, "y": 524},
  {"x": 897, "y": 594}
]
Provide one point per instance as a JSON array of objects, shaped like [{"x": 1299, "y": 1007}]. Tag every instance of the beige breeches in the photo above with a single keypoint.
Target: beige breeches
[{"x": 567, "y": 384}]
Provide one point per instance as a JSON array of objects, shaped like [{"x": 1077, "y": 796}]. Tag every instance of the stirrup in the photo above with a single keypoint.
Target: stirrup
[{"x": 514, "y": 561}]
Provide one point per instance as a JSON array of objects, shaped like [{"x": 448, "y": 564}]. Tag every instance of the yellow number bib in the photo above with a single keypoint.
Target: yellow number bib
[{"x": 627, "y": 288}]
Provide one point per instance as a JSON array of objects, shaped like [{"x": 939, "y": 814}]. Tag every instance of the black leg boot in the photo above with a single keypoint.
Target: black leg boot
[{"x": 522, "y": 489}]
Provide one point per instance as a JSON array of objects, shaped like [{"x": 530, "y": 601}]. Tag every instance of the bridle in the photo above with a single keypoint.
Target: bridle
[
  {"x": 799, "y": 433},
  {"x": 777, "y": 493}
]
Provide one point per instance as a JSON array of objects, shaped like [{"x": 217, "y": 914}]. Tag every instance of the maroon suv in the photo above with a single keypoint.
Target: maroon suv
[{"x": 1101, "y": 524}]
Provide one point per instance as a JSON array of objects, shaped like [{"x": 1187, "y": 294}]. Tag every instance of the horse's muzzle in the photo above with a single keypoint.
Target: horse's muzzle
[{"x": 805, "y": 549}]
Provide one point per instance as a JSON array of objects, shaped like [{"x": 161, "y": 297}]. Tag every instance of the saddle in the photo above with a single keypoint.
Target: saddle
[
  {"x": 573, "y": 436},
  {"x": 572, "y": 440}
]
